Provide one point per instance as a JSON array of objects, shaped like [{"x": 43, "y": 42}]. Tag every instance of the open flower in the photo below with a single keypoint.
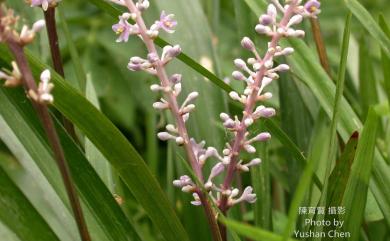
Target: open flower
[
  {"x": 312, "y": 8},
  {"x": 166, "y": 22},
  {"x": 123, "y": 28}
]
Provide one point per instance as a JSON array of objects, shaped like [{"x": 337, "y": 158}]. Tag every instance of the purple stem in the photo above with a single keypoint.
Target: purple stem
[{"x": 56, "y": 57}]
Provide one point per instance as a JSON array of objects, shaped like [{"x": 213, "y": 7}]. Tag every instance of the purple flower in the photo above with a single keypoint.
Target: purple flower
[
  {"x": 167, "y": 22},
  {"x": 312, "y": 7},
  {"x": 123, "y": 28}
]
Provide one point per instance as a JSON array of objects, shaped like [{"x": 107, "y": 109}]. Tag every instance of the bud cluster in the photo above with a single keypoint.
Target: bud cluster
[
  {"x": 10, "y": 35},
  {"x": 43, "y": 94},
  {"x": 26, "y": 35}
]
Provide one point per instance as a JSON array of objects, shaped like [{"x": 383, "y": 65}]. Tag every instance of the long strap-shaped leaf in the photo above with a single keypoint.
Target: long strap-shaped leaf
[
  {"x": 115, "y": 147},
  {"x": 355, "y": 195},
  {"x": 21, "y": 118},
  {"x": 19, "y": 214},
  {"x": 369, "y": 24}
]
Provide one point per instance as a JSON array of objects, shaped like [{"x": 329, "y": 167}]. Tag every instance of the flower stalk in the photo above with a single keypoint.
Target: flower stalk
[
  {"x": 40, "y": 97},
  {"x": 51, "y": 28}
]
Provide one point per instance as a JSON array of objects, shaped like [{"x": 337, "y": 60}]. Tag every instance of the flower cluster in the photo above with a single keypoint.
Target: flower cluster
[
  {"x": 256, "y": 73},
  {"x": 124, "y": 29},
  {"x": 43, "y": 94},
  {"x": 26, "y": 35}
]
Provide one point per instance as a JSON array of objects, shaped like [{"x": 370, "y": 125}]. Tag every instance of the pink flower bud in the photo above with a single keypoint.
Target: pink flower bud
[
  {"x": 237, "y": 75},
  {"x": 247, "y": 43}
]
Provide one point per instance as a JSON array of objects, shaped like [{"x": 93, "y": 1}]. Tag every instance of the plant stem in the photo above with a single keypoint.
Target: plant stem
[
  {"x": 174, "y": 107},
  {"x": 48, "y": 125},
  {"x": 56, "y": 57},
  {"x": 249, "y": 107},
  {"x": 321, "y": 49}
]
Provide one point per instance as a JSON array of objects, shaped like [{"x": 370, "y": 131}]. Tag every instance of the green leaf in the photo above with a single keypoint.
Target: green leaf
[
  {"x": 27, "y": 176},
  {"x": 97, "y": 160},
  {"x": 385, "y": 58},
  {"x": 252, "y": 232},
  {"x": 257, "y": 7},
  {"x": 355, "y": 195},
  {"x": 369, "y": 24},
  {"x": 290, "y": 146},
  {"x": 78, "y": 67},
  {"x": 339, "y": 94},
  {"x": 261, "y": 182},
  {"x": 367, "y": 80},
  {"x": 19, "y": 215},
  {"x": 339, "y": 178},
  {"x": 297, "y": 127},
  {"x": 306, "y": 66},
  {"x": 336, "y": 116},
  {"x": 341, "y": 172},
  {"x": 115, "y": 147},
  {"x": 21, "y": 118},
  {"x": 305, "y": 181}
]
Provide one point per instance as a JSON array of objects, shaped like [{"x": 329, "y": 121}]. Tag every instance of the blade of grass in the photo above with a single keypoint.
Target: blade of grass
[
  {"x": 339, "y": 92},
  {"x": 336, "y": 113},
  {"x": 385, "y": 58},
  {"x": 261, "y": 182},
  {"x": 115, "y": 147},
  {"x": 300, "y": 197},
  {"x": 251, "y": 232},
  {"x": 19, "y": 215},
  {"x": 29, "y": 179},
  {"x": 308, "y": 69},
  {"x": 369, "y": 24},
  {"x": 339, "y": 178},
  {"x": 367, "y": 80},
  {"x": 297, "y": 127},
  {"x": 78, "y": 67},
  {"x": 97, "y": 160},
  {"x": 355, "y": 196},
  {"x": 294, "y": 150}
]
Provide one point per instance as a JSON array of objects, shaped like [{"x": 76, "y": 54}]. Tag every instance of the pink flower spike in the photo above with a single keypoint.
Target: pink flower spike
[{"x": 167, "y": 22}]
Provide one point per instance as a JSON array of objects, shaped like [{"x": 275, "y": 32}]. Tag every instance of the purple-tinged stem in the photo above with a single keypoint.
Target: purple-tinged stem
[
  {"x": 174, "y": 107},
  {"x": 321, "y": 49},
  {"x": 56, "y": 57}
]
